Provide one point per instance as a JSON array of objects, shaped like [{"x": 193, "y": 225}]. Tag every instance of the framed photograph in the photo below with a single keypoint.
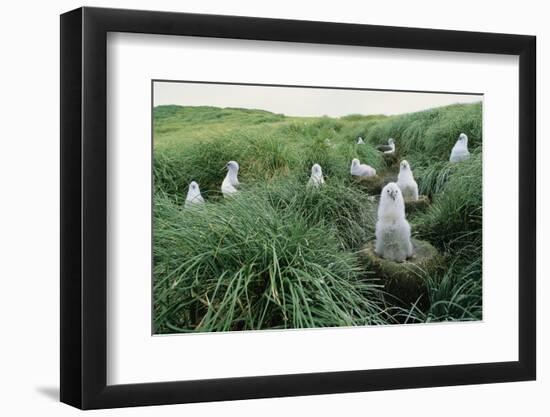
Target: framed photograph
[{"x": 258, "y": 208}]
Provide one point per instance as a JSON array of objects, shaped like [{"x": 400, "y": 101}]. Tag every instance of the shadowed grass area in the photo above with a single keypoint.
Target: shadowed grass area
[
  {"x": 455, "y": 294},
  {"x": 282, "y": 255}
]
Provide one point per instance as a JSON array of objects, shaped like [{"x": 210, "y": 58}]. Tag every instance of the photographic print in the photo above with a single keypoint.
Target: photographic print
[{"x": 293, "y": 207}]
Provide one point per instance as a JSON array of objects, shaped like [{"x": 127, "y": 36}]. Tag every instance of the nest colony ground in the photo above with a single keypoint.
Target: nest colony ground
[{"x": 282, "y": 255}]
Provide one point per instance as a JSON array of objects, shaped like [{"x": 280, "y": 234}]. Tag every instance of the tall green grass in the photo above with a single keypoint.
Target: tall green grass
[
  {"x": 456, "y": 294},
  {"x": 454, "y": 224},
  {"x": 247, "y": 264},
  {"x": 457, "y": 207},
  {"x": 428, "y": 136}
]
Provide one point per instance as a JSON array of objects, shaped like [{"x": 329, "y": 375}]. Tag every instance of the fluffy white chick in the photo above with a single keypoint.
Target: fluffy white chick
[
  {"x": 460, "y": 150},
  {"x": 393, "y": 232},
  {"x": 361, "y": 170},
  {"x": 406, "y": 182},
  {"x": 316, "y": 178},
  {"x": 231, "y": 181},
  {"x": 193, "y": 195}
]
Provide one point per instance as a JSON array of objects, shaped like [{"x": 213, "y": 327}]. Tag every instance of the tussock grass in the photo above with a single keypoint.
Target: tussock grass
[
  {"x": 456, "y": 210},
  {"x": 456, "y": 294},
  {"x": 429, "y": 135},
  {"x": 348, "y": 211},
  {"x": 454, "y": 223},
  {"x": 245, "y": 264}
]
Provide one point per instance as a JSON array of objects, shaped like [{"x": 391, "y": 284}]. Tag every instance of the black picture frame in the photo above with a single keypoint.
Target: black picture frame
[{"x": 84, "y": 207}]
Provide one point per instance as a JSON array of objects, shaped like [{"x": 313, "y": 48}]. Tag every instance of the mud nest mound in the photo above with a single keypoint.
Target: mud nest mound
[
  {"x": 391, "y": 160},
  {"x": 406, "y": 280},
  {"x": 374, "y": 185},
  {"x": 412, "y": 206}
]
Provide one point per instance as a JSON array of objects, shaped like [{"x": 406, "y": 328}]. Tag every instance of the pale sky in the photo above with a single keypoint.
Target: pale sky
[{"x": 293, "y": 101}]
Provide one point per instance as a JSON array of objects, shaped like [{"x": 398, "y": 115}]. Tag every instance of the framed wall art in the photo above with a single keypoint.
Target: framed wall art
[{"x": 257, "y": 208}]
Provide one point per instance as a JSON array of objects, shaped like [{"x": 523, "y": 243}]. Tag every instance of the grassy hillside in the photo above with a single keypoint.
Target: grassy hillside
[{"x": 282, "y": 255}]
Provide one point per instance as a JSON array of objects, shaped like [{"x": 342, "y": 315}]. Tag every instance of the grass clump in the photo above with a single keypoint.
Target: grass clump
[
  {"x": 456, "y": 210},
  {"x": 454, "y": 223},
  {"x": 342, "y": 208},
  {"x": 456, "y": 293},
  {"x": 430, "y": 135},
  {"x": 244, "y": 264}
]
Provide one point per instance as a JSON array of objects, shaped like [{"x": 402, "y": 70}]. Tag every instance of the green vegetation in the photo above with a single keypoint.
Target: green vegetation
[{"x": 280, "y": 255}]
